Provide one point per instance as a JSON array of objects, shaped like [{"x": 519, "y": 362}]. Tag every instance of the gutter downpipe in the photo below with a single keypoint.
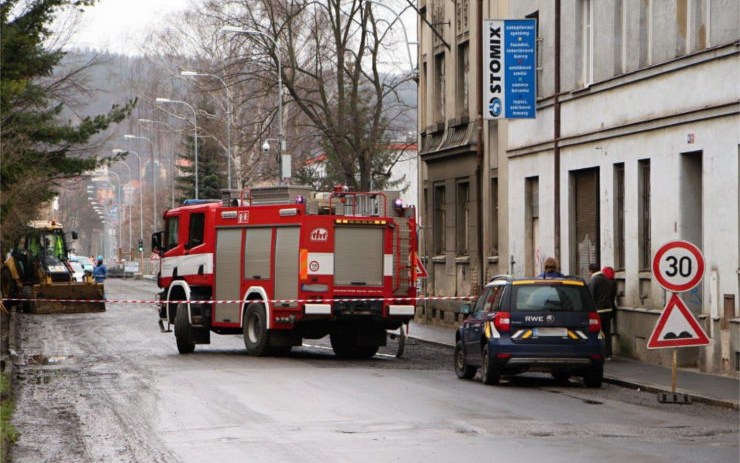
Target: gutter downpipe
[
  {"x": 556, "y": 131},
  {"x": 481, "y": 171}
]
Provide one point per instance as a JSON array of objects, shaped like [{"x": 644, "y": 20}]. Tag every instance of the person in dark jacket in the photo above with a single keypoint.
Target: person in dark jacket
[
  {"x": 551, "y": 269},
  {"x": 603, "y": 288}
]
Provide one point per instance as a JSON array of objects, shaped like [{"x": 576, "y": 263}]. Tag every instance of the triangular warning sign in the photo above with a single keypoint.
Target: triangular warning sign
[
  {"x": 419, "y": 270},
  {"x": 677, "y": 328}
]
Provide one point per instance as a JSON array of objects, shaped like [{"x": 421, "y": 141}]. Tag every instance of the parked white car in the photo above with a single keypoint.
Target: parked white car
[
  {"x": 78, "y": 272},
  {"x": 87, "y": 264}
]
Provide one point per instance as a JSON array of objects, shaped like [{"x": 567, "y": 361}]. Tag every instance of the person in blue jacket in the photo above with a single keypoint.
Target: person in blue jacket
[
  {"x": 551, "y": 269},
  {"x": 100, "y": 271}
]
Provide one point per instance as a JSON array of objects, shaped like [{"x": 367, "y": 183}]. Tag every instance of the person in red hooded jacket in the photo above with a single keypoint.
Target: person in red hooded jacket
[{"x": 603, "y": 288}]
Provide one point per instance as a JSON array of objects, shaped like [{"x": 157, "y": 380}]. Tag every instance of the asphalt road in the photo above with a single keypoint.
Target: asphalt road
[{"x": 109, "y": 387}]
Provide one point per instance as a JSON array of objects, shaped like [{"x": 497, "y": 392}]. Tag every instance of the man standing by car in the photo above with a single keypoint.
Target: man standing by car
[
  {"x": 604, "y": 291},
  {"x": 100, "y": 271}
]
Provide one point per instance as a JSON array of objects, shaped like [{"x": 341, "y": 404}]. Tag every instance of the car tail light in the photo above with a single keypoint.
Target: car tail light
[
  {"x": 502, "y": 321},
  {"x": 594, "y": 322}
]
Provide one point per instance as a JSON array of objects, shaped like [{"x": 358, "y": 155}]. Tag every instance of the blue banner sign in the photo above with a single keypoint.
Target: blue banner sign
[{"x": 509, "y": 69}]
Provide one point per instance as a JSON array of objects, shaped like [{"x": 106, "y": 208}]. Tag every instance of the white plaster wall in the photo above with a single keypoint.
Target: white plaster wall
[
  {"x": 521, "y": 168},
  {"x": 670, "y": 93},
  {"x": 717, "y": 139},
  {"x": 408, "y": 170}
]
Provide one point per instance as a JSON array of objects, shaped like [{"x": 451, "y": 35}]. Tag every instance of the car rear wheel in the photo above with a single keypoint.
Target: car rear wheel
[
  {"x": 561, "y": 377},
  {"x": 462, "y": 369},
  {"x": 489, "y": 373},
  {"x": 594, "y": 377}
]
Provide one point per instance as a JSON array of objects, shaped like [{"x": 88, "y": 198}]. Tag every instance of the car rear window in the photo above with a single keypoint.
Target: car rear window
[{"x": 566, "y": 298}]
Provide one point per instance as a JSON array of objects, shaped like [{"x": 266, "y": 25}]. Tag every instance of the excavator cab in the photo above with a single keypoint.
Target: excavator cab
[{"x": 37, "y": 269}]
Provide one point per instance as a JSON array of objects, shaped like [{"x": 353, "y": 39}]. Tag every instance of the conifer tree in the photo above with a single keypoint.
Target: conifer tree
[
  {"x": 41, "y": 144},
  {"x": 210, "y": 168}
]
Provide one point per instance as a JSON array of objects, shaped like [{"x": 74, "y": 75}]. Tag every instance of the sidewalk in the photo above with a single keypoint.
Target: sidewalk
[{"x": 717, "y": 390}]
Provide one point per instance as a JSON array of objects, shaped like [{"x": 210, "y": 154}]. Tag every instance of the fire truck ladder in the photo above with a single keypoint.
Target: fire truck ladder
[
  {"x": 403, "y": 257},
  {"x": 359, "y": 204}
]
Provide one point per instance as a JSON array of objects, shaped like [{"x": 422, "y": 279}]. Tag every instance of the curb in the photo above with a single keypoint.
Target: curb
[
  {"x": 631, "y": 384},
  {"x": 434, "y": 343}
]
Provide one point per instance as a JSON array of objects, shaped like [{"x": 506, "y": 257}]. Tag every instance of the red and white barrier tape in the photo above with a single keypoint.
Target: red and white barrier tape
[{"x": 271, "y": 301}]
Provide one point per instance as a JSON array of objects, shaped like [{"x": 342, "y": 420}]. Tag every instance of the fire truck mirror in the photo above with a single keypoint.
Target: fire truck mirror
[{"x": 157, "y": 242}]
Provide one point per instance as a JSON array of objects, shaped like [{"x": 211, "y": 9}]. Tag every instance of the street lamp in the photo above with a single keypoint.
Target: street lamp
[
  {"x": 155, "y": 173},
  {"x": 141, "y": 192},
  {"x": 228, "y": 116},
  {"x": 195, "y": 125},
  {"x": 130, "y": 179},
  {"x": 172, "y": 159},
  {"x": 118, "y": 219},
  {"x": 276, "y": 43}
]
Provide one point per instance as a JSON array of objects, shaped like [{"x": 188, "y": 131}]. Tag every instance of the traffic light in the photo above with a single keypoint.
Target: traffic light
[{"x": 141, "y": 245}]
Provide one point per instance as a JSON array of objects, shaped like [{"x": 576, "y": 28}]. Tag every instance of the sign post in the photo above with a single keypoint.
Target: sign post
[{"x": 677, "y": 266}]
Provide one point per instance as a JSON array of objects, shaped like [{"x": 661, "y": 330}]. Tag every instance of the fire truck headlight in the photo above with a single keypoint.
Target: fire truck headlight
[{"x": 300, "y": 199}]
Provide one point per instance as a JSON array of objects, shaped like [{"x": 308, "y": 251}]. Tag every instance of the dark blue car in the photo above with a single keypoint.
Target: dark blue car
[{"x": 521, "y": 325}]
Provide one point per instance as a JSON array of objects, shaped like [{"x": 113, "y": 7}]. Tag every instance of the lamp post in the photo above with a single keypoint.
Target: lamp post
[
  {"x": 129, "y": 136},
  {"x": 172, "y": 159},
  {"x": 276, "y": 43},
  {"x": 130, "y": 178},
  {"x": 195, "y": 132},
  {"x": 228, "y": 116},
  {"x": 141, "y": 193},
  {"x": 118, "y": 219}
]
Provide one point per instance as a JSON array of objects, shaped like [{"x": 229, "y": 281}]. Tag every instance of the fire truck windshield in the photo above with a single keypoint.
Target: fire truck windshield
[{"x": 171, "y": 232}]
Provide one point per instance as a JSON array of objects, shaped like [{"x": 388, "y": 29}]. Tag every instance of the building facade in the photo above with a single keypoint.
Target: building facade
[{"x": 636, "y": 143}]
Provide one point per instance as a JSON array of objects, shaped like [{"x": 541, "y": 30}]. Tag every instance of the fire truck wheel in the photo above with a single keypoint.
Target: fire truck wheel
[
  {"x": 183, "y": 334},
  {"x": 255, "y": 330},
  {"x": 345, "y": 346}
]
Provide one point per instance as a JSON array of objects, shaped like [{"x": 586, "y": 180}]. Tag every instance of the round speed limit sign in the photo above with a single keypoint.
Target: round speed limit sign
[{"x": 678, "y": 266}]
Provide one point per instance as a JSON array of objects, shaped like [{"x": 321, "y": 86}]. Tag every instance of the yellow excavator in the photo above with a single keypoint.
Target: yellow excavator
[{"x": 38, "y": 272}]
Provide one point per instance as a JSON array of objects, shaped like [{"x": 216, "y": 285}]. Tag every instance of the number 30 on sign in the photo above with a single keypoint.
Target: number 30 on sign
[{"x": 678, "y": 266}]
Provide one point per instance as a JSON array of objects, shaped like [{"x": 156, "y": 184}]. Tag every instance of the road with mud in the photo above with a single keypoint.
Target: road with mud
[{"x": 109, "y": 387}]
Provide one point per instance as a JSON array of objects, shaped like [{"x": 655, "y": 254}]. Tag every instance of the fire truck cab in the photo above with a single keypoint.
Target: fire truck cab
[{"x": 280, "y": 264}]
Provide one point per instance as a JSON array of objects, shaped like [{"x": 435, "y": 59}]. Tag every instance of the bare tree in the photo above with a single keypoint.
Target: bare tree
[{"x": 330, "y": 53}]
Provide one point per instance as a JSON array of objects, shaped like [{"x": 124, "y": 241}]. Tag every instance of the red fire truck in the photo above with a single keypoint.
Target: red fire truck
[{"x": 280, "y": 264}]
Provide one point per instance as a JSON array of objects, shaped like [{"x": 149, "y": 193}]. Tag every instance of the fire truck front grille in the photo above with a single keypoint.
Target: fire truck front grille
[{"x": 357, "y": 307}]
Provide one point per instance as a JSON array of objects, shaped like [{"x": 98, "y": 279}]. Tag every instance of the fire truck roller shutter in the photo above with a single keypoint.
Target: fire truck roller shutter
[
  {"x": 287, "y": 263},
  {"x": 358, "y": 256},
  {"x": 228, "y": 253}
]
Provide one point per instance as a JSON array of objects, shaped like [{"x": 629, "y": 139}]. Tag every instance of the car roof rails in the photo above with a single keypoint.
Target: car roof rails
[{"x": 504, "y": 277}]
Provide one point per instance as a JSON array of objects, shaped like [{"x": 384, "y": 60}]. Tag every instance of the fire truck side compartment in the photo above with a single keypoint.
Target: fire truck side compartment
[{"x": 226, "y": 270}]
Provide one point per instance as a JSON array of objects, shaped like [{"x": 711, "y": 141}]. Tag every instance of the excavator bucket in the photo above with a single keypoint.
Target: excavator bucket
[{"x": 56, "y": 297}]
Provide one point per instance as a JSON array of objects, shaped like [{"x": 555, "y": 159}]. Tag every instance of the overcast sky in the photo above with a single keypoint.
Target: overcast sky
[{"x": 120, "y": 26}]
